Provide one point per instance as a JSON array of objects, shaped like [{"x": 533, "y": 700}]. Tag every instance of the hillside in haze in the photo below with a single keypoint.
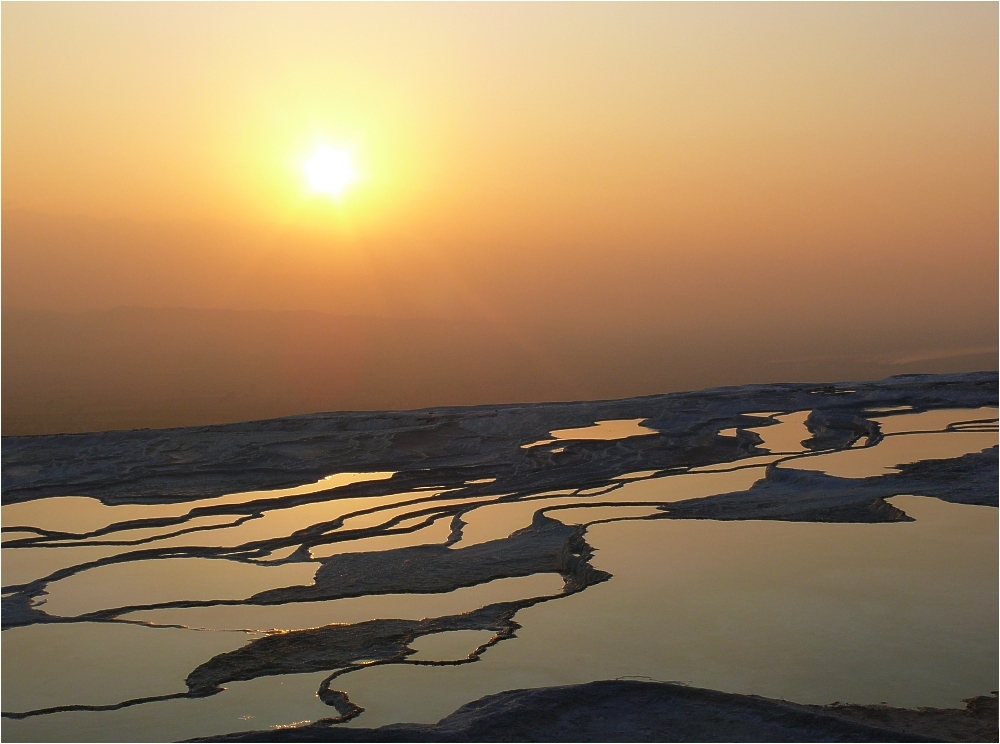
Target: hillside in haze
[{"x": 141, "y": 367}]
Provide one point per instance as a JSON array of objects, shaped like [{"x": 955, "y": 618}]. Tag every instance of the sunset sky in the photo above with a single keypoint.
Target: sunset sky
[{"x": 636, "y": 168}]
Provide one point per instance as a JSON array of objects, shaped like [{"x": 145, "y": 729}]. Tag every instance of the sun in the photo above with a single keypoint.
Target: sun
[{"x": 329, "y": 171}]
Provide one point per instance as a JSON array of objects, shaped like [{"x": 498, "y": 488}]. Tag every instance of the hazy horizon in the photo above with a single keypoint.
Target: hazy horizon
[
  {"x": 161, "y": 367},
  {"x": 549, "y": 202}
]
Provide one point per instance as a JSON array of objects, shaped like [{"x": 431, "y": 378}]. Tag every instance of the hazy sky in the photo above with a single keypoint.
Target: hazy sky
[{"x": 812, "y": 169}]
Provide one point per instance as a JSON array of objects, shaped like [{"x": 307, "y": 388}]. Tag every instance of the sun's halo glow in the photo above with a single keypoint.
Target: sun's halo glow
[{"x": 329, "y": 171}]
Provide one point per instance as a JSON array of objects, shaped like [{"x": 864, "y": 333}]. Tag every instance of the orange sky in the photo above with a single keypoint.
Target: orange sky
[{"x": 648, "y": 166}]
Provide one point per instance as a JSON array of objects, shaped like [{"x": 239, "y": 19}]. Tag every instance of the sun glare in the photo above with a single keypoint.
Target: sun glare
[{"x": 329, "y": 171}]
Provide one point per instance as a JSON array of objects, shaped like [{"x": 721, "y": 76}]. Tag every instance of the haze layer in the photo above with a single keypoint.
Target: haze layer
[{"x": 635, "y": 198}]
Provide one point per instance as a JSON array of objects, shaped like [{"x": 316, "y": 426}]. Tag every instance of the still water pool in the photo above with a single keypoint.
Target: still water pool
[{"x": 903, "y": 613}]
